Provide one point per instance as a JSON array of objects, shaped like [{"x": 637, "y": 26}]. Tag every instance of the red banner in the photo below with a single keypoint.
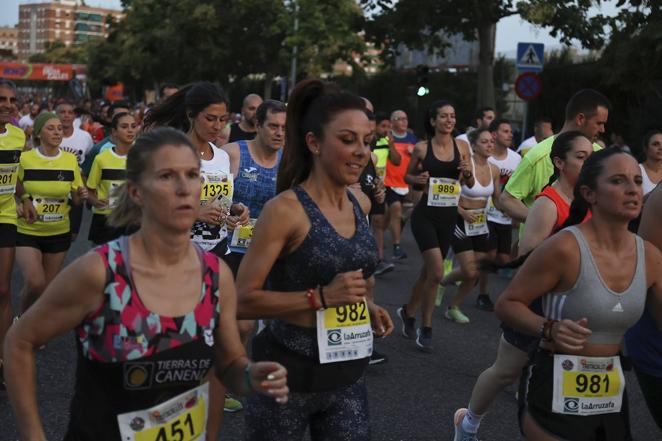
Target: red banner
[{"x": 45, "y": 72}]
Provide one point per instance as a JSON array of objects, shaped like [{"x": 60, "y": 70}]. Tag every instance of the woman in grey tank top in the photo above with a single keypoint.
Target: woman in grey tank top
[{"x": 593, "y": 280}]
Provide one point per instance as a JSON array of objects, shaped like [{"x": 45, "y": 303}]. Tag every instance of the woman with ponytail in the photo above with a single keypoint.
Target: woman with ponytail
[
  {"x": 155, "y": 317},
  {"x": 201, "y": 111},
  {"x": 548, "y": 213},
  {"x": 314, "y": 243},
  {"x": 594, "y": 280}
]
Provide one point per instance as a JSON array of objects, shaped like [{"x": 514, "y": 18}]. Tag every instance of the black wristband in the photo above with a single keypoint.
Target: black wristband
[{"x": 322, "y": 299}]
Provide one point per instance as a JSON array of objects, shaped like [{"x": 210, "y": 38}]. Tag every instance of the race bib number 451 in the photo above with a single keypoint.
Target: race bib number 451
[
  {"x": 182, "y": 418},
  {"x": 344, "y": 333},
  {"x": 587, "y": 385},
  {"x": 443, "y": 192}
]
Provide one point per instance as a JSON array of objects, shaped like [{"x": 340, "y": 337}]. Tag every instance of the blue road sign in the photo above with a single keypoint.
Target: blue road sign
[
  {"x": 530, "y": 57},
  {"x": 528, "y": 86}
]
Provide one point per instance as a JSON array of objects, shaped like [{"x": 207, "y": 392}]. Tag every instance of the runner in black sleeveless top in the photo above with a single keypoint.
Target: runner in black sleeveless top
[
  {"x": 320, "y": 264},
  {"x": 434, "y": 218}
]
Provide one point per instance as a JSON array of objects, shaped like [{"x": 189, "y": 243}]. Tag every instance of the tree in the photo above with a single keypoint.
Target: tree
[
  {"x": 423, "y": 24},
  {"x": 219, "y": 40},
  {"x": 58, "y": 53}
]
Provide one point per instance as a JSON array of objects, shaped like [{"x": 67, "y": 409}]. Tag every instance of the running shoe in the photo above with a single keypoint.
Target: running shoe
[
  {"x": 383, "y": 267},
  {"x": 232, "y": 405},
  {"x": 408, "y": 323},
  {"x": 424, "y": 339},
  {"x": 460, "y": 433},
  {"x": 484, "y": 302},
  {"x": 398, "y": 253},
  {"x": 377, "y": 358},
  {"x": 456, "y": 315},
  {"x": 441, "y": 289}
]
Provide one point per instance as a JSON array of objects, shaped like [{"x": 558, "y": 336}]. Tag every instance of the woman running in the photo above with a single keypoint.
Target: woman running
[
  {"x": 107, "y": 174},
  {"x": 445, "y": 169},
  {"x": 201, "y": 111},
  {"x": 47, "y": 177},
  {"x": 471, "y": 236},
  {"x": 594, "y": 281},
  {"x": 320, "y": 265},
  {"x": 152, "y": 314},
  {"x": 546, "y": 216}
]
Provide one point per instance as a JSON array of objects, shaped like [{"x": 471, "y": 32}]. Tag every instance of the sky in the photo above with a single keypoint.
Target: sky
[{"x": 510, "y": 30}]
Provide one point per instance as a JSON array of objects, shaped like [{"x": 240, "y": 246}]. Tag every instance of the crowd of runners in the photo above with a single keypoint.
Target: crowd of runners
[{"x": 214, "y": 237}]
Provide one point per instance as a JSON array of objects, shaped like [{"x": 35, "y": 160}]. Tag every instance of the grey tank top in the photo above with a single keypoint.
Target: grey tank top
[{"x": 609, "y": 313}]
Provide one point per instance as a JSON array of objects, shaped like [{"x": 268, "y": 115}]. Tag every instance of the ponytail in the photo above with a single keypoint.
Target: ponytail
[
  {"x": 127, "y": 212},
  {"x": 313, "y": 104}
]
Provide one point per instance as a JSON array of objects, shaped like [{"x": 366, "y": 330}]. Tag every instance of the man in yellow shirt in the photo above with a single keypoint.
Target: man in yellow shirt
[
  {"x": 12, "y": 141},
  {"x": 586, "y": 112}
]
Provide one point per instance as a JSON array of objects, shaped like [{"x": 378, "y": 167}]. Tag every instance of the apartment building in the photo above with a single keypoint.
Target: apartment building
[{"x": 70, "y": 21}]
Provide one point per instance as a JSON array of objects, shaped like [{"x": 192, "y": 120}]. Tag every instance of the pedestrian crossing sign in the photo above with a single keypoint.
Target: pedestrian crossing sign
[{"x": 530, "y": 57}]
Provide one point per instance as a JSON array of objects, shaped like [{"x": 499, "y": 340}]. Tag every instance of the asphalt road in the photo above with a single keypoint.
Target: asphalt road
[{"x": 412, "y": 397}]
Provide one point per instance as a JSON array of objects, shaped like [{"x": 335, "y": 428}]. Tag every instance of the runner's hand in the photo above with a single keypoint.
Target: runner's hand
[
  {"x": 422, "y": 179},
  {"x": 239, "y": 216},
  {"x": 19, "y": 209},
  {"x": 465, "y": 168},
  {"x": 212, "y": 214},
  {"x": 468, "y": 216},
  {"x": 82, "y": 192},
  {"x": 382, "y": 325},
  {"x": 29, "y": 212},
  {"x": 346, "y": 289},
  {"x": 380, "y": 191},
  {"x": 569, "y": 335},
  {"x": 270, "y": 378}
]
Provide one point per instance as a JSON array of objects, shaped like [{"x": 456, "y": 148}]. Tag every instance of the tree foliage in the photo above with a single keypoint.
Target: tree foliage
[
  {"x": 59, "y": 53},
  {"x": 220, "y": 40},
  {"x": 423, "y": 24}
]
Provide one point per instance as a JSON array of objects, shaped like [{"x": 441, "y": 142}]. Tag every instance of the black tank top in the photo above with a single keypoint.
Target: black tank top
[
  {"x": 368, "y": 180},
  {"x": 442, "y": 169}
]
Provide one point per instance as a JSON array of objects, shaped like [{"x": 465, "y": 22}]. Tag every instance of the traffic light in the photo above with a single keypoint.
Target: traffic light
[{"x": 422, "y": 79}]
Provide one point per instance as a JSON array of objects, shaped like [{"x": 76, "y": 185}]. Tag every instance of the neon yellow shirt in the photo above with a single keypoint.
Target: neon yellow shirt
[
  {"x": 49, "y": 180},
  {"x": 108, "y": 172},
  {"x": 12, "y": 142},
  {"x": 381, "y": 151},
  {"x": 533, "y": 172}
]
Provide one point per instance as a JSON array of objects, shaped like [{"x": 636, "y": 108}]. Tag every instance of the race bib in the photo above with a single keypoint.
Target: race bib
[
  {"x": 478, "y": 226},
  {"x": 443, "y": 192},
  {"x": 344, "y": 333},
  {"x": 112, "y": 191},
  {"x": 182, "y": 418},
  {"x": 216, "y": 184},
  {"x": 241, "y": 237},
  {"x": 493, "y": 214},
  {"x": 50, "y": 209},
  {"x": 587, "y": 385},
  {"x": 8, "y": 179}
]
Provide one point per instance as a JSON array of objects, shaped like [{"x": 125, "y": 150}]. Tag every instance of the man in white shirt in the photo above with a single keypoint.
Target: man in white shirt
[
  {"x": 78, "y": 142},
  {"x": 482, "y": 120},
  {"x": 542, "y": 129}
]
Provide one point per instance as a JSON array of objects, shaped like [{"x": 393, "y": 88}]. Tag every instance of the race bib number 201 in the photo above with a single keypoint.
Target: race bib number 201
[{"x": 182, "y": 418}]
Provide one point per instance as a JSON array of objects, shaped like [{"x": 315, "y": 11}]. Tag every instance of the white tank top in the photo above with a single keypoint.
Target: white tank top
[
  {"x": 478, "y": 191},
  {"x": 647, "y": 185}
]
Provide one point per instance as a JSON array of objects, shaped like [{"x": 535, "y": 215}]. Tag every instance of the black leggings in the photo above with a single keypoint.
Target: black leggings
[
  {"x": 433, "y": 226},
  {"x": 651, "y": 387}
]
